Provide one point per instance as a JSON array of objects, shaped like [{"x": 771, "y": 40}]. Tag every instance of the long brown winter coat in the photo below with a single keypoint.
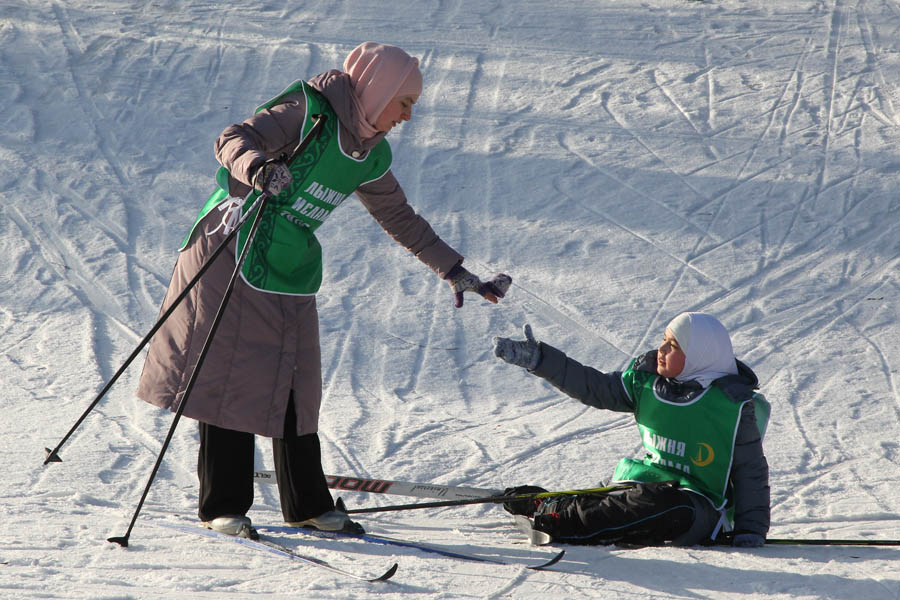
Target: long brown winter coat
[{"x": 267, "y": 345}]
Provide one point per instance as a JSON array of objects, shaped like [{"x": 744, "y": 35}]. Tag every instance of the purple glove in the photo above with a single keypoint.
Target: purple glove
[
  {"x": 272, "y": 177},
  {"x": 461, "y": 281}
]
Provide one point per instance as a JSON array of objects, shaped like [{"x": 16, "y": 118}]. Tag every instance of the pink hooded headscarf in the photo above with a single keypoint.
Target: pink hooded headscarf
[{"x": 379, "y": 73}]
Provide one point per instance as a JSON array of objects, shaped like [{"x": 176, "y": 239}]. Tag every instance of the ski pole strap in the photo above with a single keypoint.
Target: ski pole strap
[
  {"x": 723, "y": 520},
  {"x": 494, "y": 499}
]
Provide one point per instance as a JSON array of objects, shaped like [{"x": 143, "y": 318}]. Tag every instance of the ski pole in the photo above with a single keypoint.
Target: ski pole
[
  {"x": 727, "y": 539},
  {"x": 53, "y": 455},
  {"x": 123, "y": 540},
  {"x": 813, "y": 542},
  {"x": 493, "y": 499}
]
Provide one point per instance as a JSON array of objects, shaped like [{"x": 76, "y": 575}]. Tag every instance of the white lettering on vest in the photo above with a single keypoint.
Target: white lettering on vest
[
  {"x": 665, "y": 444},
  {"x": 290, "y": 217},
  {"x": 310, "y": 210},
  {"x": 656, "y": 458},
  {"x": 324, "y": 194},
  {"x": 314, "y": 212}
]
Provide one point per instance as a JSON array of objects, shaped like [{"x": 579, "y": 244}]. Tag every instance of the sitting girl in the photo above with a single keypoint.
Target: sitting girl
[{"x": 701, "y": 424}]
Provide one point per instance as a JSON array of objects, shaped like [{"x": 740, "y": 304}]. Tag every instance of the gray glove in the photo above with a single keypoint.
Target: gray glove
[
  {"x": 748, "y": 540},
  {"x": 526, "y": 354},
  {"x": 272, "y": 177}
]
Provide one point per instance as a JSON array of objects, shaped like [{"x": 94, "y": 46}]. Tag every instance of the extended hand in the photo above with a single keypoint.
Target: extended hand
[
  {"x": 461, "y": 280},
  {"x": 526, "y": 354}
]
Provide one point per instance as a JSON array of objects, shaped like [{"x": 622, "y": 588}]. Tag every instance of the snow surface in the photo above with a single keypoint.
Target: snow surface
[{"x": 624, "y": 161}]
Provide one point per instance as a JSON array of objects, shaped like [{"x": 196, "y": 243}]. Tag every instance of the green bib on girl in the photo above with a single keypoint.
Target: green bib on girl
[
  {"x": 691, "y": 442},
  {"x": 286, "y": 257}
]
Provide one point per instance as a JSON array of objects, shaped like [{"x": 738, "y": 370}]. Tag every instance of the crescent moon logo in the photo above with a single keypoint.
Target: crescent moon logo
[{"x": 710, "y": 455}]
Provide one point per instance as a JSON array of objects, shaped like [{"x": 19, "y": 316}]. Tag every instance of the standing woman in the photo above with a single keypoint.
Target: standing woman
[{"x": 262, "y": 375}]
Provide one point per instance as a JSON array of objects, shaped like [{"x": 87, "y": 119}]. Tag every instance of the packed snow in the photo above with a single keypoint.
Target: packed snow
[{"x": 623, "y": 160}]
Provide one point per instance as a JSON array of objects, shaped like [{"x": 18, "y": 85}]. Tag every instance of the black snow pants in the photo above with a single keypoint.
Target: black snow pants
[
  {"x": 647, "y": 514},
  {"x": 225, "y": 467}
]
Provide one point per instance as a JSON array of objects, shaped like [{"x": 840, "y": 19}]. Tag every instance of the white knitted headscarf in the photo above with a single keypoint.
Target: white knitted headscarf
[{"x": 707, "y": 347}]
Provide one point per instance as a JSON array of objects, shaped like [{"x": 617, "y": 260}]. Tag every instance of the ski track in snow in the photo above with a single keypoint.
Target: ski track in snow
[{"x": 623, "y": 161}]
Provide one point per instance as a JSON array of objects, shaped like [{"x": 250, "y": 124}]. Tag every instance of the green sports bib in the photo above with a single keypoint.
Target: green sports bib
[
  {"x": 286, "y": 257},
  {"x": 692, "y": 442}
]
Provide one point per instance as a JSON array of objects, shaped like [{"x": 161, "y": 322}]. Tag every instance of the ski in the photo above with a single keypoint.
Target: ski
[
  {"x": 816, "y": 542},
  {"x": 272, "y": 547},
  {"x": 540, "y": 538},
  {"x": 424, "y": 547},
  {"x": 727, "y": 538},
  {"x": 387, "y": 486}
]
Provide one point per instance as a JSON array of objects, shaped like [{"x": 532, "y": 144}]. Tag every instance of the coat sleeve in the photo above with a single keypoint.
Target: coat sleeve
[
  {"x": 244, "y": 147},
  {"x": 386, "y": 202},
  {"x": 750, "y": 477},
  {"x": 590, "y": 386}
]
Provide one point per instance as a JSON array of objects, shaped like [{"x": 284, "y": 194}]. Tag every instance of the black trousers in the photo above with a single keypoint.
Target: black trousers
[
  {"x": 225, "y": 467},
  {"x": 648, "y": 514}
]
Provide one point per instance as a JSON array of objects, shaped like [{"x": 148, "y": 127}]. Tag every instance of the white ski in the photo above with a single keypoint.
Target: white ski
[
  {"x": 276, "y": 548},
  {"x": 387, "y": 486}
]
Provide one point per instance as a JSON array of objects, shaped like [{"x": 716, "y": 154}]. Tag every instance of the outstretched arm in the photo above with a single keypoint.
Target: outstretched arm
[
  {"x": 386, "y": 202},
  {"x": 586, "y": 384}
]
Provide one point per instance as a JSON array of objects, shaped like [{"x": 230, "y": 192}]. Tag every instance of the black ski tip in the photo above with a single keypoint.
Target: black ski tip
[
  {"x": 550, "y": 562},
  {"x": 387, "y": 574},
  {"x": 51, "y": 456},
  {"x": 122, "y": 541}
]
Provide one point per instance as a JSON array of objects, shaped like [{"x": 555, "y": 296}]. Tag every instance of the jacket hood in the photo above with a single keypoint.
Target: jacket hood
[{"x": 738, "y": 387}]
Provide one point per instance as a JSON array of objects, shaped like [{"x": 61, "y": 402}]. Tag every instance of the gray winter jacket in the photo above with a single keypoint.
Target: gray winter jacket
[{"x": 750, "y": 470}]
